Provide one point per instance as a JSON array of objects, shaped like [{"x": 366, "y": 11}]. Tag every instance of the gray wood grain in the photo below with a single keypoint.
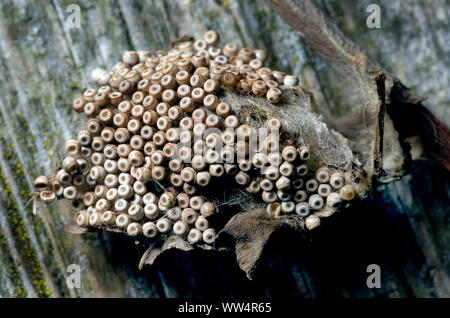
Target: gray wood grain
[{"x": 44, "y": 65}]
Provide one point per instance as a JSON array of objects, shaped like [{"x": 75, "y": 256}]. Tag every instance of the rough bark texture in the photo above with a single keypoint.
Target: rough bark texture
[{"x": 44, "y": 65}]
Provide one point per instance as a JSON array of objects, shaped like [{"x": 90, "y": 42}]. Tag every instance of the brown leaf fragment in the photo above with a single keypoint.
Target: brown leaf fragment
[
  {"x": 251, "y": 231},
  {"x": 162, "y": 245}
]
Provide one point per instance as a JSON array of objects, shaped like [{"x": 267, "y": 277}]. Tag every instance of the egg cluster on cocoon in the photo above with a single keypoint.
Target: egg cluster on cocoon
[{"x": 158, "y": 118}]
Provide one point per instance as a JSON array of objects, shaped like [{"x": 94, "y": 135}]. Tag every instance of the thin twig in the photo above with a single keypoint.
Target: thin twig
[{"x": 379, "y": 129}]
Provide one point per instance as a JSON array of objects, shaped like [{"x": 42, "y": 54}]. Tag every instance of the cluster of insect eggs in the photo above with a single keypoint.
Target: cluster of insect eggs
[{"x": 146, "y": 107}]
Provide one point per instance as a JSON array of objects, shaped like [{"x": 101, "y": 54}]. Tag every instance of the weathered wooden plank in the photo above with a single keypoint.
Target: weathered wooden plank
[
  {"x": 412, "y": 43},
  {"x": 44, "y": 65}
]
